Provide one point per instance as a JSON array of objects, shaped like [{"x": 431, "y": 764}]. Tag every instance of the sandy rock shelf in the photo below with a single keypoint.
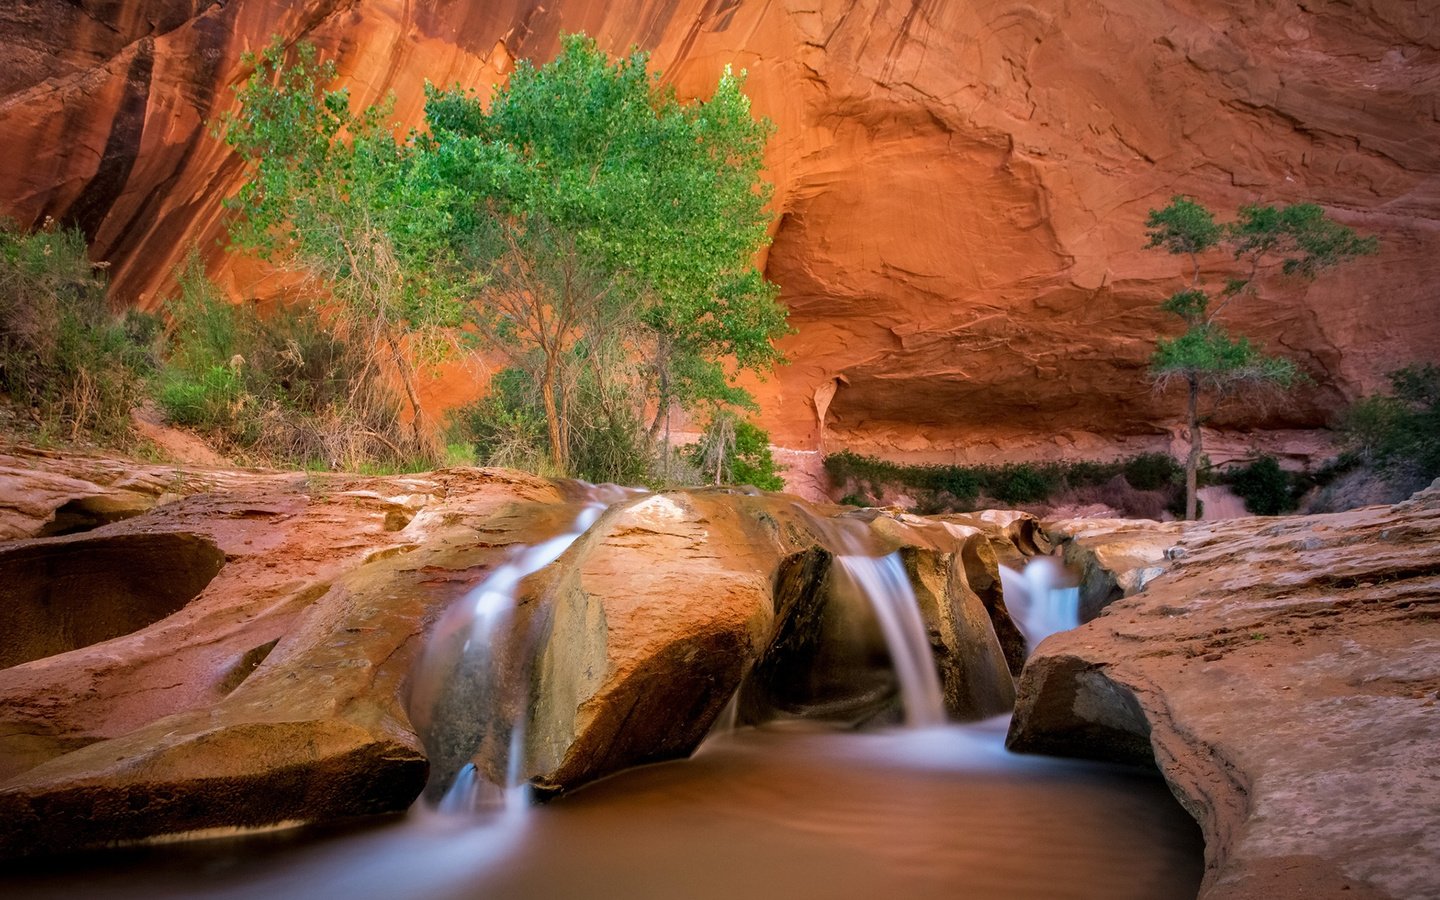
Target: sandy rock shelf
[{"x": 1284, "y": 674}]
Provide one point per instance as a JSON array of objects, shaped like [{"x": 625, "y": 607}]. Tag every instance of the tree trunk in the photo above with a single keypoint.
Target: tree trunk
[
  {"x": 558, "y": 449},
  {"x": 402, "y": 365},
  {"x": 1192, "y": 462},
  {"x": 662, "y": 389}
]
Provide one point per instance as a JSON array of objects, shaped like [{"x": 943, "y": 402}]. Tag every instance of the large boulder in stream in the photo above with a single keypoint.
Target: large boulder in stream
[
  {"x": 1284, "y": 675},
  {"x": 238, "y": 657},
  {"x": 240, "y": 648},
  {"x": 666, "y": 606}
]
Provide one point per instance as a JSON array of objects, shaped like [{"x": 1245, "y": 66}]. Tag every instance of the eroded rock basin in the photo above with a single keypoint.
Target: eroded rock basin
[{"x": 775, "y": 812}]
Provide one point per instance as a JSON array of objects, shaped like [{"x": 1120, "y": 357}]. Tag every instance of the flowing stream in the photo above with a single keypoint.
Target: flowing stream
[
  {"x": 1041, "y": 600},
  {"x": 463, "y": 662},
  {"x": 785, "y": 812},
  {"x": 791, "y": 809}
]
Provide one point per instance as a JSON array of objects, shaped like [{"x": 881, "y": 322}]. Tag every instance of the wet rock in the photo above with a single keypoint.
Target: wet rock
[
  {"x": 278, "y": 693},
  {"x": 63, "y": 594},
  {"x": 974, "y": 671},
  {"x": 272, "y": 678},
  {"x": 1281, "y": 674},
  {"x": 45, "y": 494},
  {"x": 1115, "y": 557},
  {"x": 663, "y": 607}
]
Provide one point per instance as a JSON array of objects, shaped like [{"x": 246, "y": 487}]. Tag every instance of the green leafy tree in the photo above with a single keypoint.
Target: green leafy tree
[
  {"x": 734, "y": 451},
  {"x": 593, "y": 228},
  {"x": 1205, "y": 359},
  {"x": 613, "y": 215},
  {"x": 335, "y": 193}
]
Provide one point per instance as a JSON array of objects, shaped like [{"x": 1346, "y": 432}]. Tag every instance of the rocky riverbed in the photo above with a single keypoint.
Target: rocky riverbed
[{"x": 190, "y": 648}]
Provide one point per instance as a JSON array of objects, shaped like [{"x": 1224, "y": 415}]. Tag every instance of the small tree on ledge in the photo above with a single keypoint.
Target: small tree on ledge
[{"x": 1298, "y": 240}]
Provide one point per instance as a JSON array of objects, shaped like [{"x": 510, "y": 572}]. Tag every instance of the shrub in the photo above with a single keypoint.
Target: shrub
[
  {"x": 1024, "y": 483},
  {"x": 507, "y": 427},
  {"x": 280, "y": 389},
  {"x": 1266, "y": 489},
  {"x": 734, "y": 451},
  {"x": 78, "y": 367},
  {"x": 1152, "y": 471},
  {"x": 1399, "y": 432},
  {"x": 959, "y": 488}
]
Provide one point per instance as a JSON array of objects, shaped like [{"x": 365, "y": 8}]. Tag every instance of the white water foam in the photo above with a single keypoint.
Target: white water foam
[
  {"x": 882, "y": 582},
  {"x": 1039, "y": 600},
  {"x": 484, "y": 619}
]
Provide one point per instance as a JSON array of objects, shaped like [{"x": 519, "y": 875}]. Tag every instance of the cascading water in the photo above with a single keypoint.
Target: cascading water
[
  {"x": 812, "y": 812},
  {"x": 851, "y": 640},
  {"x": 474, "y": 660},
  {"x": 1040, "y": 600},
  {"x": 882, "y": 582}
]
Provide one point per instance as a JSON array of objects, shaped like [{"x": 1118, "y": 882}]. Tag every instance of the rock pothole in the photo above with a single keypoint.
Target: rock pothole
[
  {"x": 63, "y": 594},
  {"x": 88, "y": 513}
]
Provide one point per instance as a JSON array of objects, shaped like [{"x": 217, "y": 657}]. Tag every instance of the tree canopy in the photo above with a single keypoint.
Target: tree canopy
[
  {"x": 1294, "y": 240},
  {"x": 588, "y": 223}
]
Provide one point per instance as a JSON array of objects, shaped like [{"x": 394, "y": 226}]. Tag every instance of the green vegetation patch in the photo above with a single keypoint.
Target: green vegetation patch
[
  {"x": 79, "y": 368},
  {"x": 963, "y": 488}
]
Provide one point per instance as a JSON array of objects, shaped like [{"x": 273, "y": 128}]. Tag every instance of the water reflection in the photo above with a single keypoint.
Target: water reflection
[{"x": 793, "y": 811}]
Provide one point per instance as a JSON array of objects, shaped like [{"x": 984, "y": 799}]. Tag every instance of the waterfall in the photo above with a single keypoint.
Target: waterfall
[
  {"x": 836, "y": 615},
  {"x": 472, "y": 661},
  {"x": 1039, "y": 600},
  {"x": 882, "y": 582}
]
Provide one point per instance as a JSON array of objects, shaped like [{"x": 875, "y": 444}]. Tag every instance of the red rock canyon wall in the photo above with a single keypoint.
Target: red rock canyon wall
[{"x": 961, "y": 186}]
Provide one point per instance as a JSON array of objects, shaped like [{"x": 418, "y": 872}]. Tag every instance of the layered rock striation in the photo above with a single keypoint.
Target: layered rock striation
[
  {"x": 1284, "y": 675},
  {"x": 960, "y": 187},
  {"x": 249, "y": 654}
]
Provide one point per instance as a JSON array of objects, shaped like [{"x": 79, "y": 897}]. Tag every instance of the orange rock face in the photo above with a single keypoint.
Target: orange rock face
[{"x": 960, "y": 194}]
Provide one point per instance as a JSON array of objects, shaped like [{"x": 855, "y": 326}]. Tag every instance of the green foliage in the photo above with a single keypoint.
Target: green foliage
[
  {"x": 963, "y": 488},
  {"x": 615, "y": 208},
  {"x": 1183, "y": 227},
  {"x": 1189, "y": 305},
  {"x": 282, "y": 389},
  {"x": 1207, "y": 354},
  {"x": 1307, "y": 241},
  {"x": 333, "y": 192},
  {"x": 734, "y": 451},
  {"x": 1400, "y": 432},
  {"x": 62, "y": 353},
  {"x": 1205, "y": 358},
  {"x": 592, "y": 228},
  {"x": 507, "y": 427},
  {"x": 1151, "y": 471},
  {"x": 1266, "y": 489}
]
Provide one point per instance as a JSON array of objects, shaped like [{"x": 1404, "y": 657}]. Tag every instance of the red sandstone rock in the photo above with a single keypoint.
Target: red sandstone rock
[
  {"x": 277, "y": 693},
  {"x": 1283, "y": 673},
  {"x": 245, "y": 655},
  {"x": 960, "y": 186}
]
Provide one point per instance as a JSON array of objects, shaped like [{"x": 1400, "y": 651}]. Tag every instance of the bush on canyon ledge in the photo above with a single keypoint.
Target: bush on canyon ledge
[
  {"x": 1144, "y": 486},
  {"x": 1267, "y": 489},
  {"x": 279, "y": 389},
  {"x": 734, "y": 451},
  {"x": 1399, "y": 432}
]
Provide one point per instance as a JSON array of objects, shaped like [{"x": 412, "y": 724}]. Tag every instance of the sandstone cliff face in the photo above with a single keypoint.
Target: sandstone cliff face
[{"x": 960, "y": 186}]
